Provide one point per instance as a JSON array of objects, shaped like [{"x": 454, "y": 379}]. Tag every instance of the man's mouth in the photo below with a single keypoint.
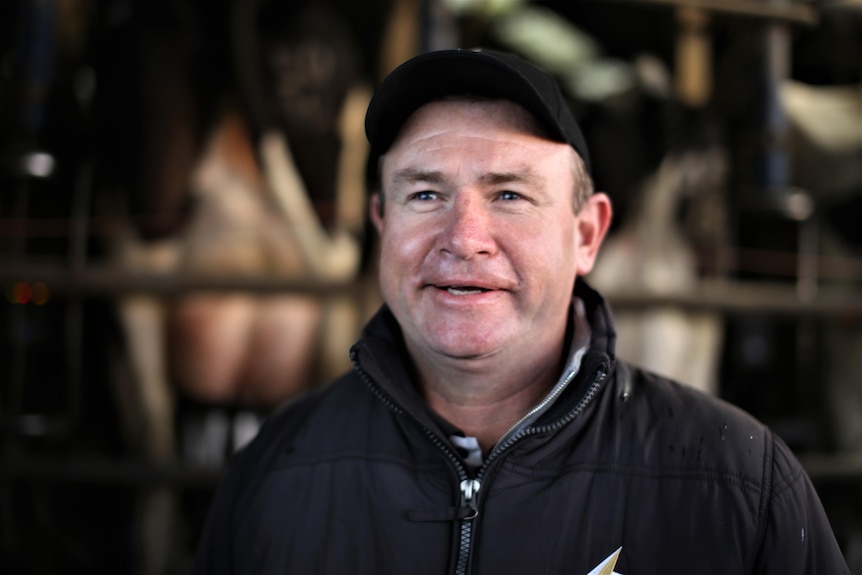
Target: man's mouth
[{"x": 465, "y": 290}]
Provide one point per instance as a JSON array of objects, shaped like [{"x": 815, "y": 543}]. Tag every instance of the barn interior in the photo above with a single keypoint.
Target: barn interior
[{"x": 184, "y": 243}]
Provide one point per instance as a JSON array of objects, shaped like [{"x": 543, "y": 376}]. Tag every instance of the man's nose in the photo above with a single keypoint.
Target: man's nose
[{"x": 468, "y": 232}]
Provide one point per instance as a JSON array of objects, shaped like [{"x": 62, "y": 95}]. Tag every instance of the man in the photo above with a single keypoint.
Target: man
[{"x": 486, "y": 426}]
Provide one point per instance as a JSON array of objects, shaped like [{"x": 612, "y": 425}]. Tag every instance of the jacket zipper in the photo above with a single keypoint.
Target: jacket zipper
[
  {"x": 469, "y": 487},
  {"x": 555, "y": 392},
  {"x": 505, "y": 444},
  {"x": 469, "y": 500}
]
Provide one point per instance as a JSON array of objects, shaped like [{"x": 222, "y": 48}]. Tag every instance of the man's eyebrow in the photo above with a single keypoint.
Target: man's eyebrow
[
  {"x": 498, "y": 178},
  {"x": 412, "y": 175}
]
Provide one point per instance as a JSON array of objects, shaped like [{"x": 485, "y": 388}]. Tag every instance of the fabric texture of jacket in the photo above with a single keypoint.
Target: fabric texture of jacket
[{"x": 359, "y": 477}]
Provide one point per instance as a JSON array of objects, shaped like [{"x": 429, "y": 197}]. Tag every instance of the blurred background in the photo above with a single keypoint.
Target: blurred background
[{"x": 183, "y": 240}]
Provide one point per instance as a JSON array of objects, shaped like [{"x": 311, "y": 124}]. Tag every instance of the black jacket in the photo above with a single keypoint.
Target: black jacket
[{"x": 360, "y": 478}]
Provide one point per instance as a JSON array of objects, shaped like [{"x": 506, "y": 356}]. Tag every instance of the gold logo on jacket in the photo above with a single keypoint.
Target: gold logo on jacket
[{"x": 606, "y": 567}]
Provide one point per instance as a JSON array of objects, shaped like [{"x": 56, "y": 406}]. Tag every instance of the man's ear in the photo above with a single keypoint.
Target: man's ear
[
  {"x": 375, "y": 209},
  {"x": 594, "y": 219}
]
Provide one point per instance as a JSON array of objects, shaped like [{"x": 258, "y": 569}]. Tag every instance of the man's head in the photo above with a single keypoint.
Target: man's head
[{"x": 480, "y": 245}]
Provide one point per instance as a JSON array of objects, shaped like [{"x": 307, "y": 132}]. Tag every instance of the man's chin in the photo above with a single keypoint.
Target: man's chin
[
  {"x": 460, "y": 335},
  {"x": 470, "y": 350}
]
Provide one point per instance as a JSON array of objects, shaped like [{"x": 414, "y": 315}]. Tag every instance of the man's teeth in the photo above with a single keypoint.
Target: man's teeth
[{"x": 462, "y": 290}]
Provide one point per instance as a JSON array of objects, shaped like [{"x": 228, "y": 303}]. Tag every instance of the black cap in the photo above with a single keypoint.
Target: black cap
[{"x": 487, "y": 73}]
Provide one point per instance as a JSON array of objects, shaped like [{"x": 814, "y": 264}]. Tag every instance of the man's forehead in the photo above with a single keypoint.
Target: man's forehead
[
  {"x": 527, "y": 152},
  {"x": 445, "y": 112},
  {"x": 412, "y": 174}
]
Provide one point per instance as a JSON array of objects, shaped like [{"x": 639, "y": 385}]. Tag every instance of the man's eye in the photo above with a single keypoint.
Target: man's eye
[
  {"x": 424, "y": 196},
  {"x": 510, "y": 196}
]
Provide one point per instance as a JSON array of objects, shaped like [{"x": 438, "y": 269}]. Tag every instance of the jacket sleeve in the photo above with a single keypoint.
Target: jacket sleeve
[
  {"x": 214, "y": 555},
  {"x": 798, "y": 538},
  {"x": 217, "y": 551}
]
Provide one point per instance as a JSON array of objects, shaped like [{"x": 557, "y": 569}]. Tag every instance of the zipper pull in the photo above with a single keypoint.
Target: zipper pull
[{"x": 469, "y": 492}]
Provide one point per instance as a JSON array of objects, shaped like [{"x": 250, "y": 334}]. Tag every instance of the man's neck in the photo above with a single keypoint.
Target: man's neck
[{"x": 485, "y": 397}]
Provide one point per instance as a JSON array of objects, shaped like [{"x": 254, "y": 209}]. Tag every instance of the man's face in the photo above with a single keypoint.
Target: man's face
[{"x": 480, "y": 244}]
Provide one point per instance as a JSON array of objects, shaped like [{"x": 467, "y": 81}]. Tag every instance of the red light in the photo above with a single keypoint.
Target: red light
[{"x": 22, "y": 292}]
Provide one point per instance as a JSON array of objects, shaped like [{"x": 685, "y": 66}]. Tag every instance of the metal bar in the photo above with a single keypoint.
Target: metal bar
[
  {"x": 745, "y": 298},
  {"x": 109, "y": 281},
  {"x": 797, "y": 12},
  {"x": 108, "y": 471},
  {"x": 718, "y": 296},
  {"x": 823, "y": 467}
]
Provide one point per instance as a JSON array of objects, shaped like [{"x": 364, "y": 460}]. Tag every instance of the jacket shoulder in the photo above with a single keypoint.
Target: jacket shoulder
[
  {"x": 680, "y": 428},
  {"x": 313, "y": 422}
]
